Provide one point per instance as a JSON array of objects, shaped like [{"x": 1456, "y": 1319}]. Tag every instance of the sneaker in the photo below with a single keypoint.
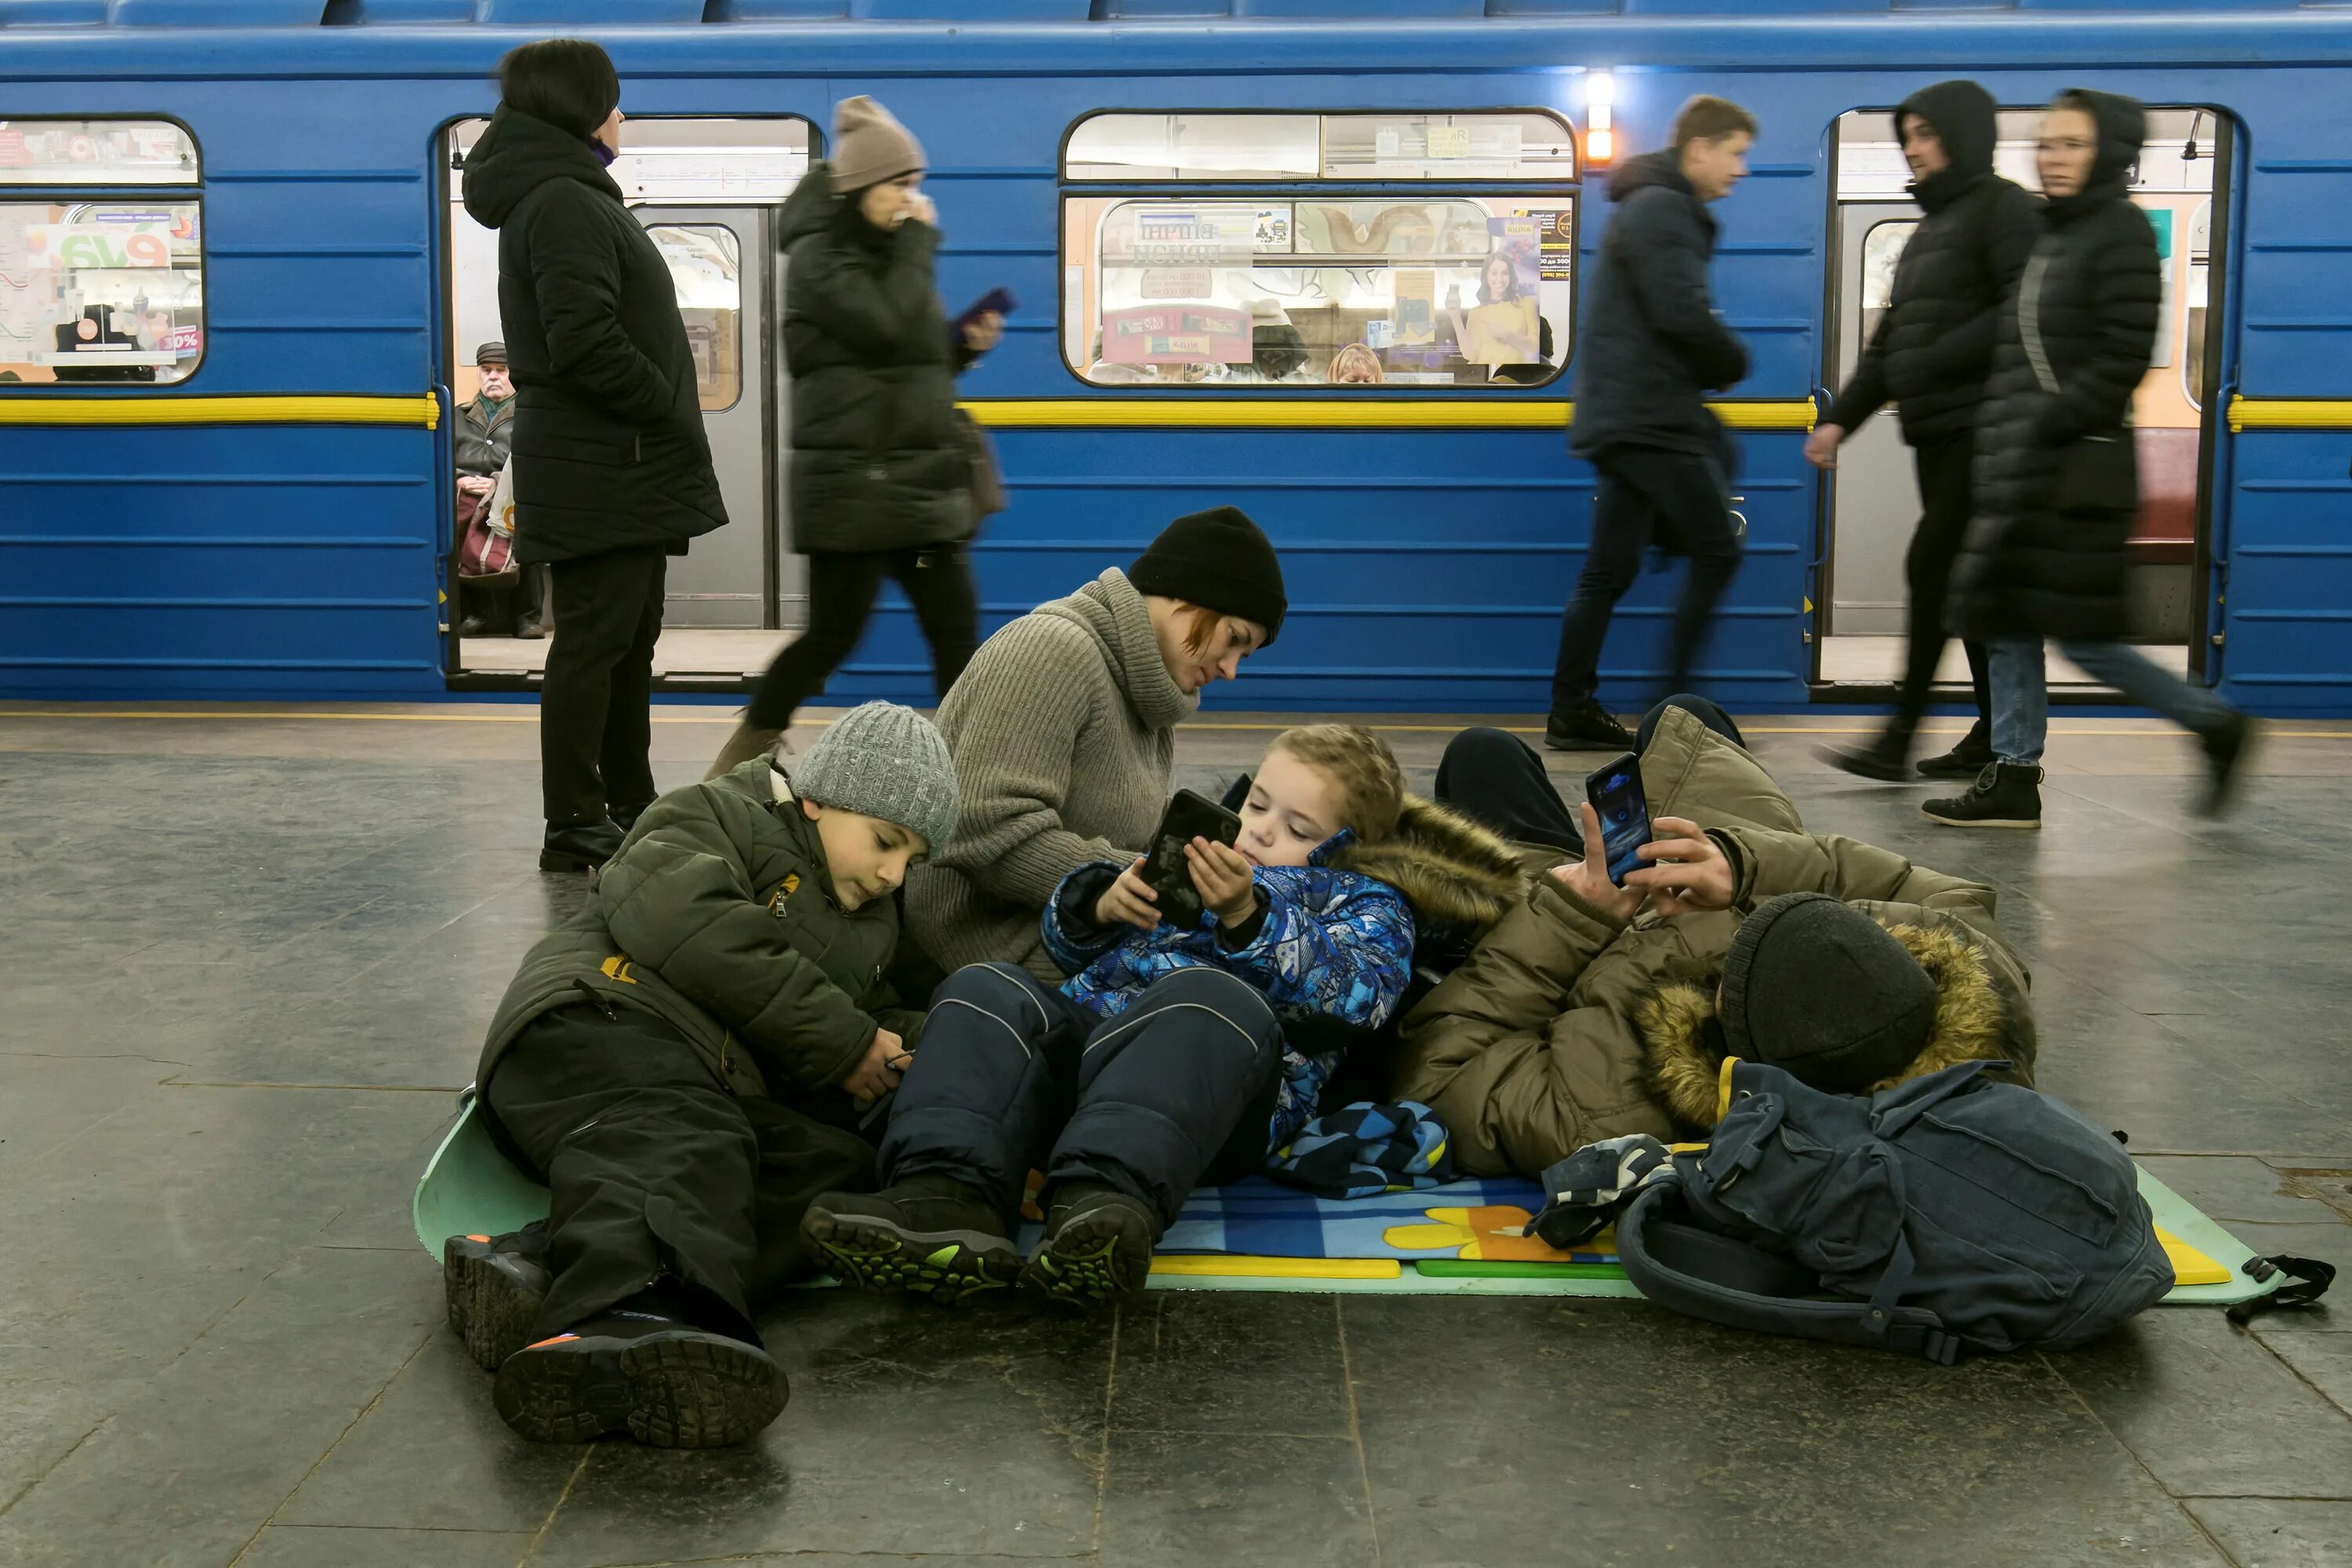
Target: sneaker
[
  {"x": 2004, "y": 795},
  {"x": 1097, "y": 1249},
  {"x": 2226, "y": 751},
  {"x": 1965, "y": 761},
  {"x": 579, "y": 847},
  {"x": 493, "y": 1286},
  {"x": 1587, "y": 727},
  {"x": 661, "y": 1380},
  {"x": 1886, "y": 759},
  {"x": 931, "y": 1235}
]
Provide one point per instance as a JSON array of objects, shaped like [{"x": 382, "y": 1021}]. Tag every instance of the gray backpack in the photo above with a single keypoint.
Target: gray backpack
[{"x": 1942, "y": 1217}]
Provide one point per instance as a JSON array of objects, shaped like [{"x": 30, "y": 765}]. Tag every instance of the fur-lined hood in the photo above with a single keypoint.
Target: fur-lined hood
[
  {"x": 1686, "y": 1049},
  {"x": 1459, "y": 877}
]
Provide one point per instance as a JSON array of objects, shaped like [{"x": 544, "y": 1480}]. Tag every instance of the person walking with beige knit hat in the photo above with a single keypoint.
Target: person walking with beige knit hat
[{"x": 880, "y": 484}]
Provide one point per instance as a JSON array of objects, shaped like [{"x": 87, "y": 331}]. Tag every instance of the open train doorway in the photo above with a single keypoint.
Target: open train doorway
[
  {"x": 707, "y": 192},
  {"x": 1874, "y": 495}
]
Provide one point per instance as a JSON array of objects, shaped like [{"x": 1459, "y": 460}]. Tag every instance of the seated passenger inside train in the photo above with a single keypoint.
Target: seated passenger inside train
[{"x": 1585, "y": 1015}]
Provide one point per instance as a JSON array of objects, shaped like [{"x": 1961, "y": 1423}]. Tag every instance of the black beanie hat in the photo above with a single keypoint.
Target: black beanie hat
[
  {"x": 1219, "y": 559},
  {"x": 1819, "y": 989}
]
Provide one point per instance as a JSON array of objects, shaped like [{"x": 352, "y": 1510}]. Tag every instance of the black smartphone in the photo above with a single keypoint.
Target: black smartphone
[
  {"x": 999, "y": 299},
  {"x": 1617, "y": 799},
  {"x": 1166, "y": 871}
]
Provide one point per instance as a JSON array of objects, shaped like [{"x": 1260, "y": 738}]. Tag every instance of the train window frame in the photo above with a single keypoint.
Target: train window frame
[
  {"x": 1538, "y": 193},
  {"x": 184, "y": 193},
  {"x": 742, "y": 380}
]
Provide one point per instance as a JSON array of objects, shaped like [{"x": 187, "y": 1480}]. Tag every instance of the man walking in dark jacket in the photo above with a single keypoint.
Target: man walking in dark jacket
[
  {"x": 1929, "y": 356},
  {"x": 1654, "y": 348}
]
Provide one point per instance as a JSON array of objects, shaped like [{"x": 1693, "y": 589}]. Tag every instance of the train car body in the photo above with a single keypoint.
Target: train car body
[{"x": 270, "y": 515}]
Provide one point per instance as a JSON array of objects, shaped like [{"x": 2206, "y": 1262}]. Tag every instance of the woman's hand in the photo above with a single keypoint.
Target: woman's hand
[
  {"x": 878, "y": 1070},
  {"x": 1688, "y": 871},
  {"x": 1588, "y": 878},
  {"x": 919, "y": 208},
  {"x": 983, "y": 333},
  {"x": 1225, "y": 878},
  {"x": 476, "y": 484},
  {"x": 1129, "y": 901}
]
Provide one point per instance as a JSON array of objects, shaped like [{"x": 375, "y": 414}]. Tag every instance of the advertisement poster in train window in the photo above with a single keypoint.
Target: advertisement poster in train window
[
  {"x": 1554, "y": 241},
  {"x": 1176, "y": 334},
  {"x": 1181, "y": 233}
]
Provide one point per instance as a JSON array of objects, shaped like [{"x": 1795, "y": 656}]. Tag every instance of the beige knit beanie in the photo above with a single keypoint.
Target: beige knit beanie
[{"x": 869, "y": 146}]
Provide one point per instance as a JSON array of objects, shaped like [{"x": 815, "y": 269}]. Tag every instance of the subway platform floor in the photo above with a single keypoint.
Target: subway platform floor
[{"x": 250, "y": 955}]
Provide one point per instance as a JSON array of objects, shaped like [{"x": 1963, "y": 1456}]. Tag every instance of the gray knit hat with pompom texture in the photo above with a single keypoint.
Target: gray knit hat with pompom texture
[{"x": 882, "y": 760}]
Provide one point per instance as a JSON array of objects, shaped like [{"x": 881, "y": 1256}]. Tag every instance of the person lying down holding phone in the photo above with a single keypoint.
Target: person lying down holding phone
[{"x": 1177, "y": 1052}]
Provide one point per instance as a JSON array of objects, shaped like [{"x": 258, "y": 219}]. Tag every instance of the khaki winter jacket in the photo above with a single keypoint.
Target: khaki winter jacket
[
  {"x": 1564, "y": 1027},
  {"x": 717, "y": 916}
]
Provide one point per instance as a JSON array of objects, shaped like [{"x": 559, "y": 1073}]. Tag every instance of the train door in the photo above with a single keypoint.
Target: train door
[{"x": 1874, "y": 499}]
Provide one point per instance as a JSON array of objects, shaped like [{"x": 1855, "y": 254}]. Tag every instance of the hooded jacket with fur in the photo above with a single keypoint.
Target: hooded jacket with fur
[{"x": 1564, "y": 1026}]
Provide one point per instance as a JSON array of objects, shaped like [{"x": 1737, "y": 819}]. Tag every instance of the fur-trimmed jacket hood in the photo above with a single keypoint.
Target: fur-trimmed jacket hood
[{"x": 1457, "y": 878}]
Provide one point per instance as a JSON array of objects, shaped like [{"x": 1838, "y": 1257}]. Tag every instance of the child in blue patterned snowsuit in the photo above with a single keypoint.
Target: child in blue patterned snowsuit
[{"x": 1175, "y": 1055}]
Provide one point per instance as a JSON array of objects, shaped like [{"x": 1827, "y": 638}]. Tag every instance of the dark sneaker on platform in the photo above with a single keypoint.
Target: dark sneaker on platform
[
  {"x": 2004, "y": 795},
  {"x": 1097, "y": 1249},
  {"x": 661, "y": 1381},
  {"x": 1887, "y": 758},
  {"x": 931, "y": 1236},
  {"x": 582, "y": 846},
  {"x": 2226, "y": 751},
  {"x": 1587, "y": 727},
  {"x": 1972, "y": 756},
  {"x": 494, "y": 1285}
]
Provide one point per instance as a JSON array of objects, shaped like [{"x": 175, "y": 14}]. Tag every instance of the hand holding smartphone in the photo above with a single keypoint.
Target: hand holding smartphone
[
  {"x": 1166, "y": 871},
  {"x": 1615, "y": 792},
  {"x": 998, "y": 301}
]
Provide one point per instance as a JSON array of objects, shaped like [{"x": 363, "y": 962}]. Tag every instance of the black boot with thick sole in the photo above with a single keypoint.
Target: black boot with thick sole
[
  {"x": 1972, "y": 756},
  {"x": 659, "y": 1379},
  {"x": 1097, "y": 1247},
  {"x": 2004, "y": 795},
  {"x": 579, "y": 846},
  {"x": 493, "y": 1286},
  {"x": 931, "y": 1236},
  {"x": 1587, "y": 727}
]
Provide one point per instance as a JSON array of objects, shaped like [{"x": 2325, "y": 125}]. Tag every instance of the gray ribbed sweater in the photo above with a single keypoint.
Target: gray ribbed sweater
[{"x": 1063, "y": 729}]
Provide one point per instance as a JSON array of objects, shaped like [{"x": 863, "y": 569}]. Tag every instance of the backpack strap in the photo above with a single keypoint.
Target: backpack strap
[
  {"x": 1894, "y": 1110},
  {"x": 2307, "y": 1279}
]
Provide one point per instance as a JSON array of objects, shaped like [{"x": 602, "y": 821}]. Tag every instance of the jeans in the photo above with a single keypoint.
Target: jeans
[
  {"x": 2021, "y": 692},
  {"x": 1496, "y": 779}
]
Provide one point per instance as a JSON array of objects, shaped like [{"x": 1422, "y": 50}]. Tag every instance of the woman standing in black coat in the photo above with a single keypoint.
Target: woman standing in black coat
[
  {"x": 881, "y": 480},
  {"x": 2057, "y": 477},
  {"x": 612, "y": 468}
]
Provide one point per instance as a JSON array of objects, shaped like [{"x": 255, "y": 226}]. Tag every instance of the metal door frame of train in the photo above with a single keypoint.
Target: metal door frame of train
[{"x": 2207, "y": 563}]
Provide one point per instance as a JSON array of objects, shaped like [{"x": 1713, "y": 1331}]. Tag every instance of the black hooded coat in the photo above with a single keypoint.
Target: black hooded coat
[
  {"x": 609, "y": 448},
  {"x": 1933, "y": 349},
  {"x": 2057, "y": 479},
  {"x": 1653, "y": 345}
]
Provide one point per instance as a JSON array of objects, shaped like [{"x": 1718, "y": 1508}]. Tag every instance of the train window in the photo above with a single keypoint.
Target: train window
[
  {"x": 97, "y": 153},
  {"x": 1882, "y": 250},
  {"x": 100, "y": 292},
  {"x": 1493, "y": 145},
  {"x": 706, "y": 266}
]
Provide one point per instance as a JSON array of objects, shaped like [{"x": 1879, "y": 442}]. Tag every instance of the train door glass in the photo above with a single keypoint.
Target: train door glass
[
  {"x": 706, "y": 191},
  {"x": 1874, "y": 495}
]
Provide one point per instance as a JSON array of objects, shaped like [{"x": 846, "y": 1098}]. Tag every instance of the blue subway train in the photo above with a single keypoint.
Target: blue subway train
[{"x": 1320, "y": 259}]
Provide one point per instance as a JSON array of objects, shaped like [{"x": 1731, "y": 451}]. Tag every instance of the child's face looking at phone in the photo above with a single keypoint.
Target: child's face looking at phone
[
  {"x": 866, "y": 857},
  {"x": 1293, "y": 806}
]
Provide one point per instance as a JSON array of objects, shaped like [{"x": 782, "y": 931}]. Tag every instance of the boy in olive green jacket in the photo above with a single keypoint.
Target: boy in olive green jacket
[{"x": 686, "y": 1063}]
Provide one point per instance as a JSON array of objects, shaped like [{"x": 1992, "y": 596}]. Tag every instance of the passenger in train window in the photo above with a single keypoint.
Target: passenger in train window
[
  {"x": 882, "y": 483},
  {"x": 1655, "y": 348},
  {"x": 2057, "y": 471},
  {"x": 479, "y": 446},
  {"x": 1595, "y": 1010},
  {"x": 612, "y": 468},
  {"x": 1064, "y": 730},
  {"x": 1929, "y": 356},
  {"x": 687, "y": 1062}
]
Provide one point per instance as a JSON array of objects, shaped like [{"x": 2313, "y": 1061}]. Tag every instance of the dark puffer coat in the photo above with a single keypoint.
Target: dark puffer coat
[
  {"x": 1654, "y": 346},
  {"x": 878, "y": 460},
  {"x": 1934, "y": 347},
  {"x": 2057, "y": 481},
  {"x": 609, "y": 450}
]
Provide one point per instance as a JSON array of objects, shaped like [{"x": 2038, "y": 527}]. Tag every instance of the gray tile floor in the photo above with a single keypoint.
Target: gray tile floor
[{"x": 249, "y": 953}]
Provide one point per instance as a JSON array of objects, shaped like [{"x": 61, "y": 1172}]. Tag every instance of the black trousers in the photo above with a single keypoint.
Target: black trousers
[
  {"x": 842, "y": 586},
  {"x": 1012, "y": 1077},
  {"x": 1494, "y": 777},
  {"x": 657, "y": 1170},
  {"x": 595, "y": 707},
  {"x": 1946, "y": 504},
  {"x": 1677, "y": 500}
]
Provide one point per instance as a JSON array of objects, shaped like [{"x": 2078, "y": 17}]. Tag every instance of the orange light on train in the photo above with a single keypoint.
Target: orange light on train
[
  {"x": 1600, "y": 145},
  {"x": 1600, "y": 102}
]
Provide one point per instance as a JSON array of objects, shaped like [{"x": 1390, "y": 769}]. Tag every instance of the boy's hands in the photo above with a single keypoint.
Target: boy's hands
[
  {"x": 1685, "y": 871},
  {"x": 1129, "y": 901},
  {"x": 1224, "y": 877},
  {"x": 878, "y": 1070}
]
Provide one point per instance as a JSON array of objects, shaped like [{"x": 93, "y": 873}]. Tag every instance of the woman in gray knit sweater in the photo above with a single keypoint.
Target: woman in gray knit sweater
[{"x": 1064, "y": 732}]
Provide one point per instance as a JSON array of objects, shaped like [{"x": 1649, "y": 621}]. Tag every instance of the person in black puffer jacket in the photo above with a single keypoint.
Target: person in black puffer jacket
[
  {"x": 1929, "y": 356},
  {"x": 612, "y": 468},
  {"x": 881, "y": 475},
  {"x": 1654, "y": 348},
  {"x": 2057, "y": 479}
]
